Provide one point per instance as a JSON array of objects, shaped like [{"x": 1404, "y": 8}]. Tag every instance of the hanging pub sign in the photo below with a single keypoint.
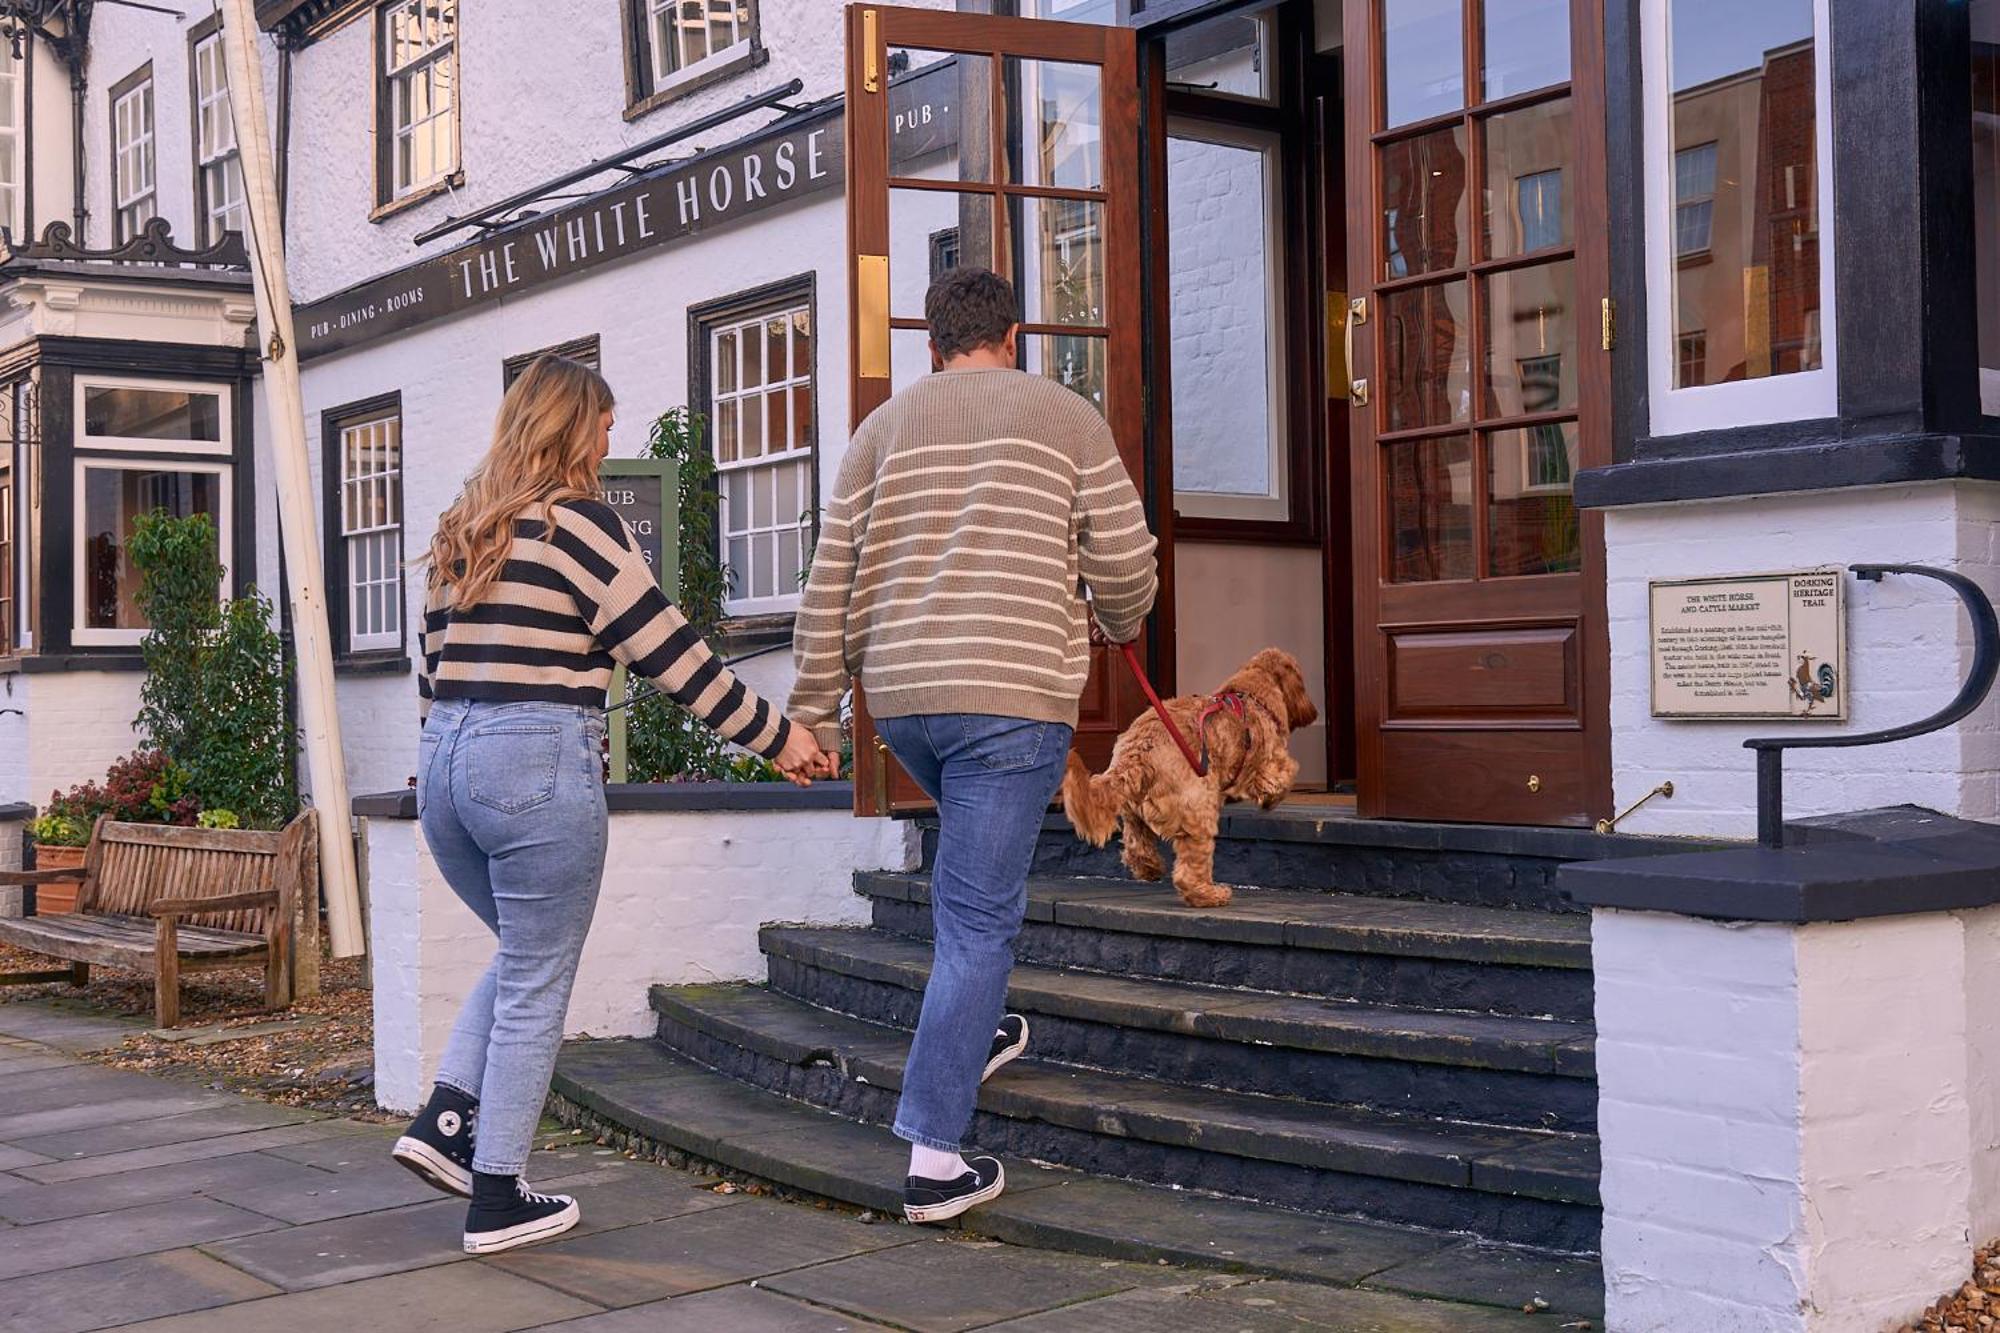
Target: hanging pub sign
[
  {"x": 1750, "y": 646},
  {"x": 796, "y": 157}
]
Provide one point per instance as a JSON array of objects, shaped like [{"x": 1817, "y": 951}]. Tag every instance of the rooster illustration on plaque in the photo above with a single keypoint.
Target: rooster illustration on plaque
[{"x": 1812, "y": 688}]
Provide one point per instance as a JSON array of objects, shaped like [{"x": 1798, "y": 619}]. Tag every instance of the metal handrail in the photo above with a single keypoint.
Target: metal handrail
[{"x": 1985, "y": 666}]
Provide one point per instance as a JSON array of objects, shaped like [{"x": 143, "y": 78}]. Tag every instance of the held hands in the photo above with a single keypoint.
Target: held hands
[{"x": 803, "y": 760}]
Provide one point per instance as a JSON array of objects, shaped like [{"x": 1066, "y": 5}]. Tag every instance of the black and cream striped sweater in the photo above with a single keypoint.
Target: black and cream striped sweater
[{"x": 575, "y": 598}]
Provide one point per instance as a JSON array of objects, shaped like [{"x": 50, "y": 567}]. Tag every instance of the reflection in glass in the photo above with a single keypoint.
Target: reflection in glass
[
  {"x": 1531, "y": 363},
  {"x": 113, "y": 500},
  {"x": 1222, "y": 261},
  {"x": 1423, "y": 59},
  {"x": 1525, "y": 206},
  {"x": 909, "y": 357},
  {"x": 940, "y": 115},
  {"x": 1072, "y": 360},
  {"x": 1986, "y": 193},
  {"x": 1746, "y": 188},
  {"x": 1429, "y": 499},
  {"x": 1060, "y": 259},
  {"x": 1424, "y": 190},
  {"x": 930, "y": 232},
  {"x": 1525, "y": 46},
  {"x": 1531, "y": 525},
  {"x": 1055, "y": 137},
  {"x": 1426, "y": 357},
  {"x": 1230, "y": 56},
  {"x": 127, "y": 412}
]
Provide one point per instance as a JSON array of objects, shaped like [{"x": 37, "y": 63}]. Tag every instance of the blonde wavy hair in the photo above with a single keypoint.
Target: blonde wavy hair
[{"x": 544, "y": 452}]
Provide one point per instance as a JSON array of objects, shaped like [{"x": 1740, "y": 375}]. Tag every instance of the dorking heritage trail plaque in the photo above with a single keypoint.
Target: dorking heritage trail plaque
[{"x": 1750, "y": 646}]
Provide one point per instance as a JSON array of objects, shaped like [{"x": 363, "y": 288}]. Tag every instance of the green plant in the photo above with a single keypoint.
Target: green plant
[
  {"x": 217, "y": 819},
  {"x": 180, "y": 567},
  {"x": 54, "y": 830},
  {"x": 145, "y": 787}
]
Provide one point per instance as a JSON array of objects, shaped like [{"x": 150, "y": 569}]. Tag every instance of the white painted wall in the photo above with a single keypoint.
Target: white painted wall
[
  {"x": 82, "y": 721},
  {"x": 14, "y": 777},
  {"x": 1908, "y": 649},
  {"x": 682, "y": 900}
]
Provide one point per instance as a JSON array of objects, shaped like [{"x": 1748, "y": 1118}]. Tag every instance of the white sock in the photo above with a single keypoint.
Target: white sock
[{"x": 932, "y": 1164}]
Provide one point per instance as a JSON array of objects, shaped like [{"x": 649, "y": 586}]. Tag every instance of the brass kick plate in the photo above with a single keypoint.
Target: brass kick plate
[{"x": 871, "y": 295}]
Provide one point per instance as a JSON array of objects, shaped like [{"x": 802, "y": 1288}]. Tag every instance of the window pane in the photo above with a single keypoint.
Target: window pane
[
  {"x": 1526, "y": 46},
  {"x": 1531, "y": 340},
  {"x": 1528, "y": 153},
  {"x": 1428, "y": 487},
  {"x": 737, "y": 488},
  {"x": 802, "y": 417},
  {"x": 113, "y": 500},
  {"x": 152, "y": 414},
  {"x": 725, "y": 362},
  {"x": 917, "y": 218},
  {"x": 726, "y": 432},
  {"x": 777, "y": 415},
  {"x": 1055, "y": 132},
  {"x": 752, "y": 413},
  {"x": 1426, "y": 357},
  {"x": 1062, "y": 260},
  {"x": 1075, "y": 362},
  {"x": 1229, "y": 55},
  {"x": 1986, "y": 192},
  {"x": 919, "y": 83},
  {"x": 1746, "y": 189},
  {"x": 753, "y": 358},
  {"x": 1423, "y": 58},
  {"x": 1531, "y": 523},
  {"x": 1424, "y": 189}
]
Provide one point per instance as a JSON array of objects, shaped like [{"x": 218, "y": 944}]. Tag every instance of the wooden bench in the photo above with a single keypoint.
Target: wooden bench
[{"x": 164, "y": 899}]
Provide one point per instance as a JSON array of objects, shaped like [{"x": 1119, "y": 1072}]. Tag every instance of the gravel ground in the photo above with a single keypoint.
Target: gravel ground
[
  {"x": 326, "y": 1066},
  {"x": 1973, "y": 1307}
]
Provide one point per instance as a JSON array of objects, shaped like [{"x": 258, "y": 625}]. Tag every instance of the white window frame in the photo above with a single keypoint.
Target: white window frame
[
  {"x": 221, "y": 194},
  {"x": 13, "y": 193},
  {"x": 667, "y": 76},
  {"x": 226, "y": 421},
  {"x": 84, "y": 636},
  {"x": 805, "y": 454},
  {"x": 387, "y": 79},
  {"x": 1803, "y": 396},
  {"x": 352, "y": 539},
  {"x": 133, "y": 209}
]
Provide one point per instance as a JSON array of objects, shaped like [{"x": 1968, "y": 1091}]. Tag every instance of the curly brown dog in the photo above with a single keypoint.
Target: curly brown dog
[{"x": 1151, "y": 790}]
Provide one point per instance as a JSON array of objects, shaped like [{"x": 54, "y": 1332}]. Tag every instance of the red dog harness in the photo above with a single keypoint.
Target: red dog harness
[{"x": 1229, "y": 701}]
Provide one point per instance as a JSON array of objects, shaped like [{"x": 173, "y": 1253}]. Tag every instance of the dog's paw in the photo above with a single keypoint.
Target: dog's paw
[{"x": 1207, "y": 895}]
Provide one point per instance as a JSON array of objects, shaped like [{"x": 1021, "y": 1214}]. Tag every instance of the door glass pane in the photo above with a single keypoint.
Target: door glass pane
[
  {"x": 1230, "y": 56},
  {"x": 1074, "y": 361},
  {"x": 1428, "y": 486},
  {"x": 1055, "y": 134},
  {"x": 1525, "y": 46},
  {"x": 1426, "y": 357},
  {"x": 930, "y": 233},
  {"x": 1531, "y": 523},
  {"x": 1745, "y": 265},
  {"x": 909, "y": 357},
  {"x": 1531, "y": 363},
  {"x": 1060, "y": 260},
  {"x": 940, "y": 115},
  {"x": 1986, "y": 193},
  {"x": 1423, "y": 59},
  {"x": 1424, "y": 190},
  {"x": 1527, "y": 205}
]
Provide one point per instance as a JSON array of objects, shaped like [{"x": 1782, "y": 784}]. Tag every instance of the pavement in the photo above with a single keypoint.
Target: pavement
[{"x": 133, "y": 1201}]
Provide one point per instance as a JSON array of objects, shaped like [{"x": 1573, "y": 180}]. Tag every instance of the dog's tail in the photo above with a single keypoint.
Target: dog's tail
[{"x": 1093, "y": 803}]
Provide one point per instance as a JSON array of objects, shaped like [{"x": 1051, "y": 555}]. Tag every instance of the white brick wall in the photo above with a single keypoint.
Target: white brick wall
[
  {"x": 82, "y": 721},
  {"x": 1908, "y": 649},
  {"x": 682, "y": 900}
]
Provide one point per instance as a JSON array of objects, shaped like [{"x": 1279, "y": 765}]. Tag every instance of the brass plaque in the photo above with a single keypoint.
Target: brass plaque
[
  {"x": 1750, "y": 646},
  {"x": 871, "y": 297}
]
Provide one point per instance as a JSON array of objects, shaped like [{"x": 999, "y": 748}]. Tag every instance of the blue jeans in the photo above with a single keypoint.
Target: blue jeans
[
  {"x": 511, "y": 799},
  {"x": 992, "y": 779}
]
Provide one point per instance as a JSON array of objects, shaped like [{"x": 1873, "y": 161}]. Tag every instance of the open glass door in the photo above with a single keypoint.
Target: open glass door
[
  {"x": 1476, "y": 264},
  {"x": 1039, "y": 182}
]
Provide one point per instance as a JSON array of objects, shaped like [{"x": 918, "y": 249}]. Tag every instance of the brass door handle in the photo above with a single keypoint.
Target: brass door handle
[
  {"x": 1357, "y": 313},
  {"x": 871, "y": 68}
]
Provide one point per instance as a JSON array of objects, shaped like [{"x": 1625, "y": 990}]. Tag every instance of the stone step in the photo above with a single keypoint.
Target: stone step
[
  {"x": 1512, "y": 1185},
  {"x": 1512, "y": 1071},
  {"x": 1340, "y": 946},
  {"x": 656, "y": 1097}
]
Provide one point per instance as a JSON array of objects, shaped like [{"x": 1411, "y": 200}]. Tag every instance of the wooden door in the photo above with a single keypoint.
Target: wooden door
[
  {"x": 1477, "y": 269},
  {"x": 1040, "y": 182}
]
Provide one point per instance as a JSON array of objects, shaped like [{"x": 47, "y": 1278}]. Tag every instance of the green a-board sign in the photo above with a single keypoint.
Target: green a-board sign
[{"x": 646, "y": 494}]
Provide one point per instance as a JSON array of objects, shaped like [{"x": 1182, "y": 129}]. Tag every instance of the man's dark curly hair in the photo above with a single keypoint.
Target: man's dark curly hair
[{"x": 970, "y": 308}]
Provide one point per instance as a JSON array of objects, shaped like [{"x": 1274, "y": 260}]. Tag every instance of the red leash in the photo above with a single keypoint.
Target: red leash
[{"x": 1199, "y": 765}]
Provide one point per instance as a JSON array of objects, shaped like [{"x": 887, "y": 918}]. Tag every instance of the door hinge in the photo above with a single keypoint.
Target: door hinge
[{"x": 1610, "y": 324}]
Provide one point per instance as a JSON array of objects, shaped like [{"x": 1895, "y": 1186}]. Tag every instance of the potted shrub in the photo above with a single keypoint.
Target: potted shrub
[{"x": 60, "y": 840}]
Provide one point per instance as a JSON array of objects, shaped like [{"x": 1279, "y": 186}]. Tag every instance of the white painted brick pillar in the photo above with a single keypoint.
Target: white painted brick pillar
[{"x": 1798, "y": 1121}]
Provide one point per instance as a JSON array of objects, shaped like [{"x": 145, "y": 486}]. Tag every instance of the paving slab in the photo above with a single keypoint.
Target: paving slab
[
  {"x": 65, "y": 1025},
  {"x": 49, "y": 1246},
  {"x": 124, "y": 1291},
  {"x": 216, "y": 1034},
  {"x": 23, "y": 1058},
  {"x": 165, "y": 1099},
  {"x": 725, "y": 1310},
  {"x": 463, "y": 1299},
  {"x": 751, "y": 1239},
  {"x": 71, "y": 1085},
  {"x": 309, "y": 1194},
  {"x": 225, "y": 1145},
  {"x": 236, "y": 1180},
  {"x": 943, "y": 1285},
  {"x": 1361, "y": 1311},
  {"x": 1498, "y": 1275},
  {"x": 1178, "y": 1308},
  {"x": 363, "y": 1145},
  {"x": 13, "y": 1158},
  {"x": 350, "y": 1249},
  {"x": 632, "y": 1193},
  {"x": 228, "y": 1118}
]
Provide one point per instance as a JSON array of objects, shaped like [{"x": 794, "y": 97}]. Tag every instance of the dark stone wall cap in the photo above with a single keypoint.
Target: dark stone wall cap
[
  {"x": 1874, "y": 863},
  {"x": 387, "y": 805},
  {"x": 33, "y": 664},
  {"x": 13, "y": 811},
  {"x": 665, "y": 797},
  {"x": 1746, "y": 466}
]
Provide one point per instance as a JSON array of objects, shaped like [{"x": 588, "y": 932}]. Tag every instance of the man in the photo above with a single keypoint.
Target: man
[{"x": 971, "y": 511}]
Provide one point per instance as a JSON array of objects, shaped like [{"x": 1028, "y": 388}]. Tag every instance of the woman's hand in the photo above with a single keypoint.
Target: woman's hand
[{"x": 802, "y": 759}]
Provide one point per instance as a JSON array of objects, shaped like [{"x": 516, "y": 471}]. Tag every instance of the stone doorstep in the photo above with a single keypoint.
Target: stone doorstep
[{"x": 214, "y": 1034}]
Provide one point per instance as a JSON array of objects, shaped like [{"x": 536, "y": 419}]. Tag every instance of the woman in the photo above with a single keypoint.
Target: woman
[{"x": 536, "y": 588}]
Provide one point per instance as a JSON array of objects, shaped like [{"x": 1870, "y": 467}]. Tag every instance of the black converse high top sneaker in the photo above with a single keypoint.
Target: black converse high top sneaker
[
  {"x": 506, "y": 1213},
  {"x": 438, "y": 1143}
]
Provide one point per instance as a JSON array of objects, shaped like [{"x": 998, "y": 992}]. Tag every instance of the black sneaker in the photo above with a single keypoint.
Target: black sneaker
[
  {"x": 1008, "y": 1043},
  {"x": 438, "y": 1143},
  {"x": 941, "y": 1200},
  {"x": 526, "y": 1218}
]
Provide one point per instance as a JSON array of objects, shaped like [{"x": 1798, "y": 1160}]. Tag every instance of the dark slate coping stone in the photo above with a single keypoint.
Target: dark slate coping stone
[
  {"x": 32, "y": 664},
  {"x": 1890, "y": 862},
  {"x": 1734, "y": 463},
  {"x": 1503, "y": 1276},
  {"x": 14, "y": 811},
  {"x": 665, "y": 798},
  {"x": 373, "y": 664}
]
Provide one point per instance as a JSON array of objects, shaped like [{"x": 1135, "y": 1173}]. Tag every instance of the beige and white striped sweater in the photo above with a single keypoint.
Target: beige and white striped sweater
[{"x": 970, "y": 512}]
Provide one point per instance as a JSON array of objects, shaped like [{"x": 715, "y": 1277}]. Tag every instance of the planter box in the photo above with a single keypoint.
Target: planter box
[{"x": 56, "y": 899}]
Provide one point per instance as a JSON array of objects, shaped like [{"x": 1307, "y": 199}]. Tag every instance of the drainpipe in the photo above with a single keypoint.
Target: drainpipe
[
  {"x": 76, "y": 94},
  {"x": 284, "y": 154}
]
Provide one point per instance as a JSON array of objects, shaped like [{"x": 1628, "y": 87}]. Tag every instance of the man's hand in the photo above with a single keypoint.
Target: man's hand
[{"x": 802, "y": 760}]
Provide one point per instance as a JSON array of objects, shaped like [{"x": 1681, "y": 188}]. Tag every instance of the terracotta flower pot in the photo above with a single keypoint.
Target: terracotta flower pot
[{"x": 54, "y": 899}]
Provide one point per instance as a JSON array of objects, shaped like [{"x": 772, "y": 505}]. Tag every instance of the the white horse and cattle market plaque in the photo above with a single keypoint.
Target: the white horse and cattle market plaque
[{"x": 1750, "y": 646}]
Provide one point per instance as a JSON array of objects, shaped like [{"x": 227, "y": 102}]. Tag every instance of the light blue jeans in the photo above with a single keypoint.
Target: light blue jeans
[
  {"x": 992, "y": 779},
  {"x": 511, "y": 800}
]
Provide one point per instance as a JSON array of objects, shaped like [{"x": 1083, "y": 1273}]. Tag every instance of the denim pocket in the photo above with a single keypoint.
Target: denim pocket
[
  {"x": 1004, "y": 744},
  {"x": 512, "y": 769},
  {"x": 427, "y": 753}
]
